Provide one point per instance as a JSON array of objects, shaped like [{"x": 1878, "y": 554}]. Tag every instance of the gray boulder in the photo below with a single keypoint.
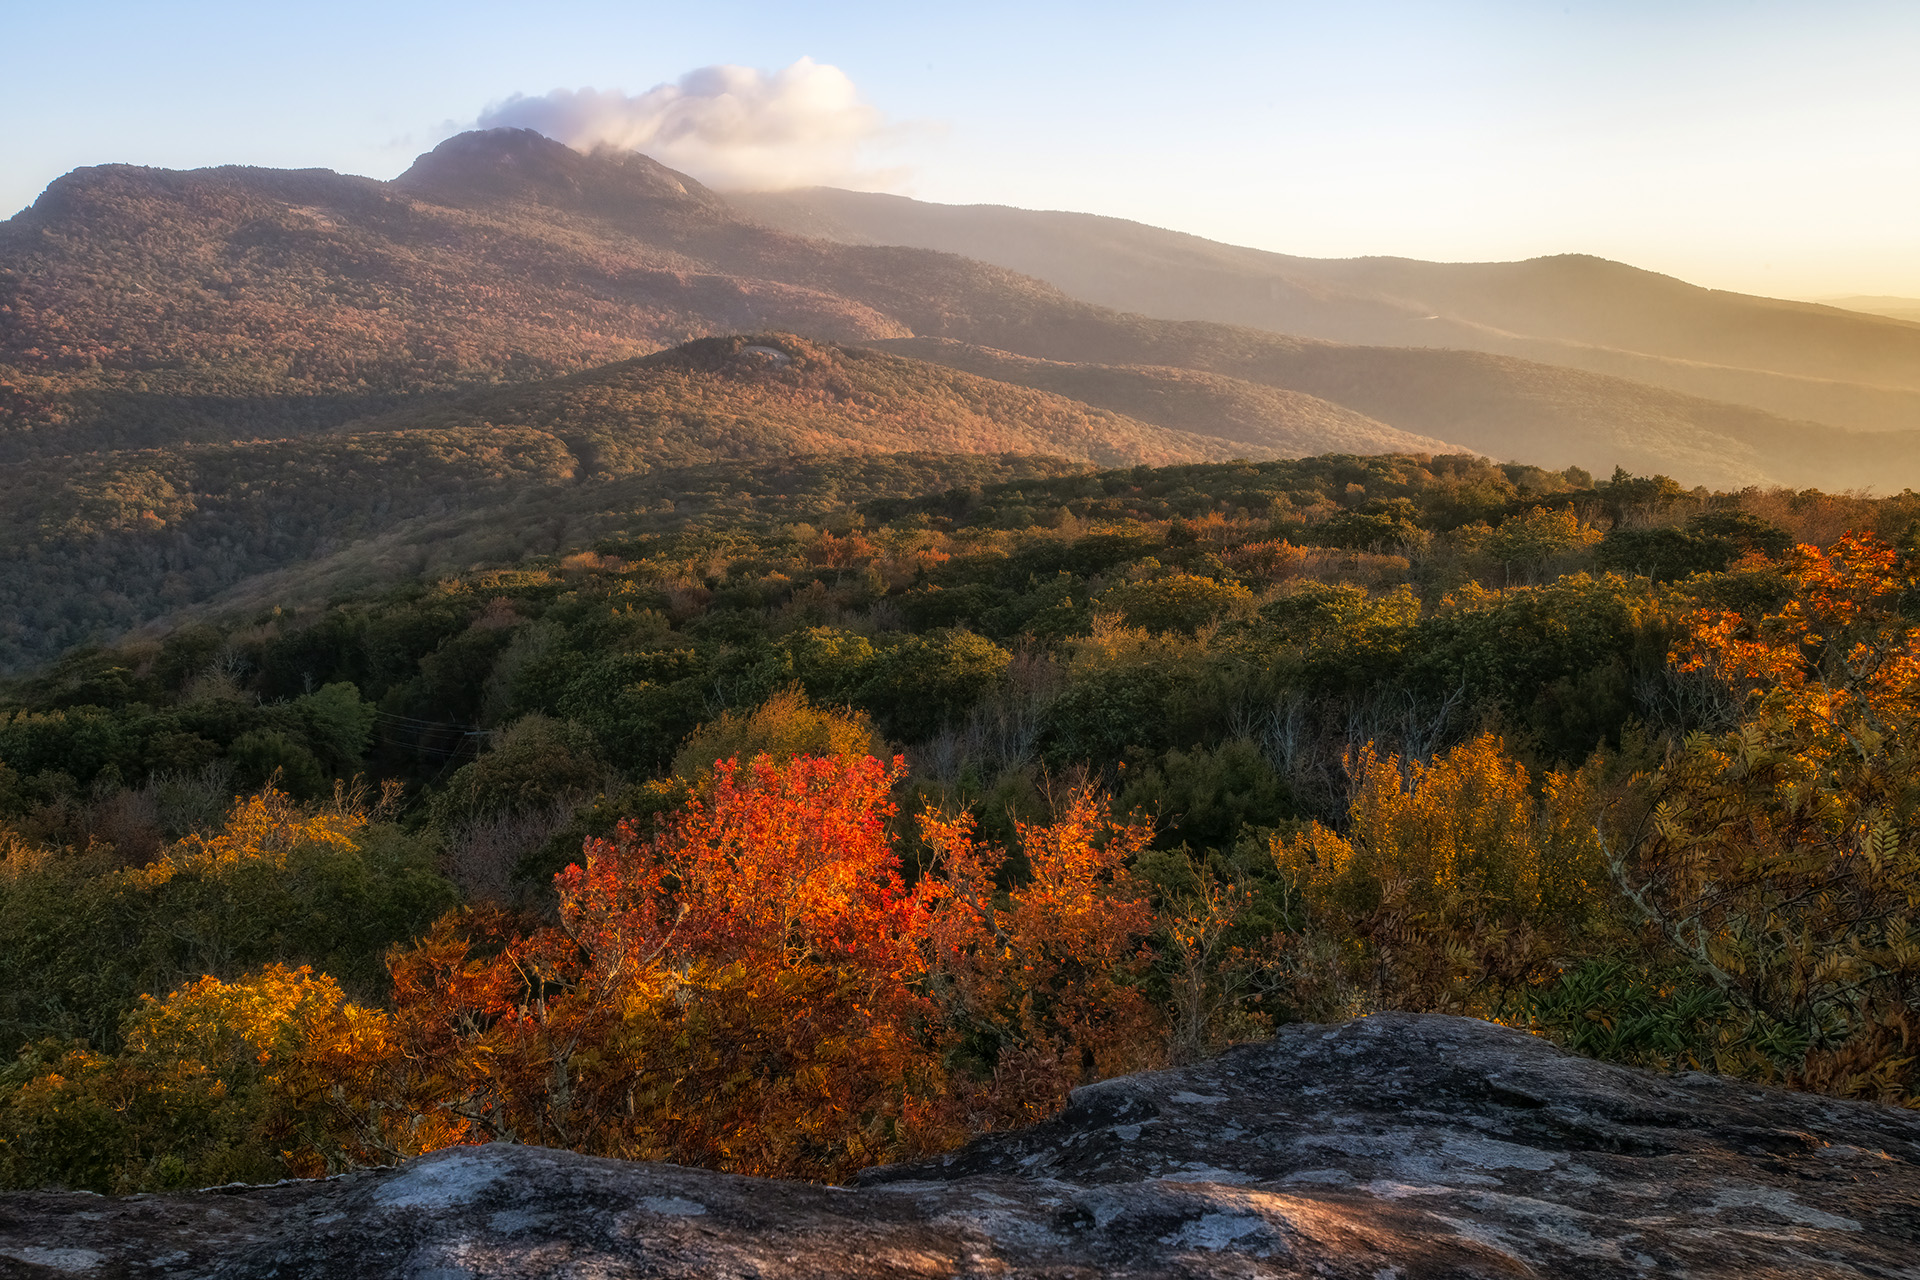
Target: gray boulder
[{"x": 1398, "y": 1146}]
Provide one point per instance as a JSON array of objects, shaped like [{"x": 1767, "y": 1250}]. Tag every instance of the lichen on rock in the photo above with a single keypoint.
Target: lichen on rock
[{"x": 1396, "y": 1145}]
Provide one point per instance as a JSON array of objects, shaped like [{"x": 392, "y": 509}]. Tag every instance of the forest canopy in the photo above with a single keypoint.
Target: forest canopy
[{"x": 792, "y": 845}]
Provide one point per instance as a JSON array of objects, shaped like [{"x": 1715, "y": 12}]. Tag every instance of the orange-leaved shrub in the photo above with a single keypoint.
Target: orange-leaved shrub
[
  {"x": 752, "y": 985},
  {"x": 1042, "y": 980},
  {"x": 1781, "y": 859},
  {"x": 735, "y": 990}
]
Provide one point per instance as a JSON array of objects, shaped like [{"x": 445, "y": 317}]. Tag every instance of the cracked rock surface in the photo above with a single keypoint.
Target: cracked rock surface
[{"x": 1398, "y": 1147}]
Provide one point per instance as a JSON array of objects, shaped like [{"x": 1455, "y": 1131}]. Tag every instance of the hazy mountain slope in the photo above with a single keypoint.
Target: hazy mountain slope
[
  {"x": 92, "y": 544},
  {"x": 1266, "y": 420},
  {"x": 1855, "y": 406},
  {"x": 1505, "y": 407},
  {"x": 139, "y": 307},
  {"x": 1497, "y": 405},
  {"x": 1797, "y": 359},
  {"x": 1907, "y": 309}
]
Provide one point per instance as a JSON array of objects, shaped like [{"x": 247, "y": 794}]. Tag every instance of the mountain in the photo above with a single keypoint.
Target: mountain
[
  {"x": 226, "y": 383},
  {"x": 1800, "y": 360},
  {"x": 148, "y": 307},
  {"x": 143, "y": 308}
]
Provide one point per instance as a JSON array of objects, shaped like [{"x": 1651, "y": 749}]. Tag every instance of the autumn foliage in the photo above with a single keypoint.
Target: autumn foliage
[
  {"x": 1781, "y": 858},
  {"x": 752, "y": 986},
  {"x": 1456, "y": 884},
  {"x": 1041, "y": 980},
  {"x": 799, "y": 960},
  {"x": 249, "y": 1080},
  {"x": 755, "y": 987}
]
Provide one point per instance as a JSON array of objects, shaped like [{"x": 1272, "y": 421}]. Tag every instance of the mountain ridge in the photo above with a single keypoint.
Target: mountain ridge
[
  {"x": 1706, "y": 342},
  {"x": 146, "y": 307}
]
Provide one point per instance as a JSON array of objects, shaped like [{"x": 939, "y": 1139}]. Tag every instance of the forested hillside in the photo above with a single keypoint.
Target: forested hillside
[
  {"x": 96, "y": 543},
  {"x": 786, "y": 847},
  {"x": 747, "y": 397}
]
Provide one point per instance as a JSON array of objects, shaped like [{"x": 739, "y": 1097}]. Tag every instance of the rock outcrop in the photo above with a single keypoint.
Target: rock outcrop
[{"x": 1396, "y": 1146}]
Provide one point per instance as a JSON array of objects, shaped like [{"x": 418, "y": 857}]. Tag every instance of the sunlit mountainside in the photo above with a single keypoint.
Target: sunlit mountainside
[
  {"x": 1825, "y": 363},
  {"x": 745, "y": 397}
]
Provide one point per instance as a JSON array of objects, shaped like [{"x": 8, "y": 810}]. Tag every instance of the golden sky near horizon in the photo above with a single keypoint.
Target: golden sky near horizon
[{"x": 1764, "y": 147}]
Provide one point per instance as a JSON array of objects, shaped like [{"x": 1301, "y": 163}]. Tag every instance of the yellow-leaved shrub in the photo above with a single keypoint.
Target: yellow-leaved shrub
[{"x": 1454, "y": 886}]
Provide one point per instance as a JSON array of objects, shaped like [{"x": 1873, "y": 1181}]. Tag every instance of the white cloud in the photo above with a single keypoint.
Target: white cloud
[{"x": 727, "y": 126}]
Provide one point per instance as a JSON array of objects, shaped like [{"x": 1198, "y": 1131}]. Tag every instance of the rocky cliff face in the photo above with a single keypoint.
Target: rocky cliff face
[{"x": 1397, "y": 1146}]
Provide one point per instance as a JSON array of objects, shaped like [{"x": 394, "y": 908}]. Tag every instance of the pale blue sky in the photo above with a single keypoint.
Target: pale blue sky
[{"x": 1768, "y": 147}]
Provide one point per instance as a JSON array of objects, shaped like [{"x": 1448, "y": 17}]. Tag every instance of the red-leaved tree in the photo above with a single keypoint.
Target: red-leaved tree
[
  {"x": 753, "y": 987},
  {"x": 740, "y": 990}
]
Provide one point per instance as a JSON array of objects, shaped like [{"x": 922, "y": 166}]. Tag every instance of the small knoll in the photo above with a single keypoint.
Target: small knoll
[
  {"x": 768, "y": 395},
  {"x": 172, "y": 528},
  {"x": 1398, "y": 1145}
]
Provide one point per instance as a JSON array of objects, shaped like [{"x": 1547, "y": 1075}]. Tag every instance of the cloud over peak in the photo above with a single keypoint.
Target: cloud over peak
[{"x": 728, "y": 126}]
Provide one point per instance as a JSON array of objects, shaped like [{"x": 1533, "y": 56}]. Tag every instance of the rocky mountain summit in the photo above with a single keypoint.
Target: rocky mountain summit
[{"x": 1396, "y": 1146}]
